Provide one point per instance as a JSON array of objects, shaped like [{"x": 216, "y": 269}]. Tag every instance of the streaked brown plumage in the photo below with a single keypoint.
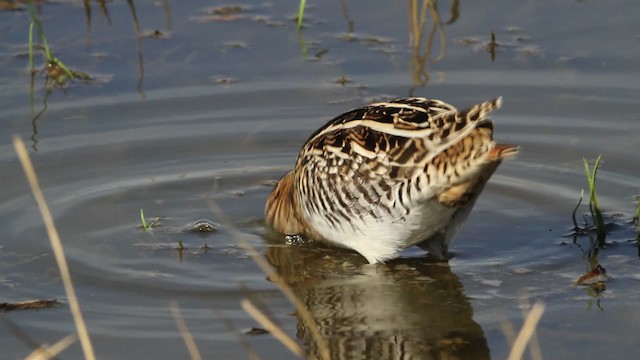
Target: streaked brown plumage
[{"x": 388, "y": 176}]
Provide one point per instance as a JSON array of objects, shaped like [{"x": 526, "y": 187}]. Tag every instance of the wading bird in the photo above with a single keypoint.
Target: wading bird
[{"x": 388, "y": 176}]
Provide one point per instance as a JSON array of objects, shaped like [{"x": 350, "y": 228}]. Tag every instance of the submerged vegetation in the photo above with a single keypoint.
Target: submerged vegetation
[
  {"x": 596, "y": 276},
  {"x": 148, "y": 226}
]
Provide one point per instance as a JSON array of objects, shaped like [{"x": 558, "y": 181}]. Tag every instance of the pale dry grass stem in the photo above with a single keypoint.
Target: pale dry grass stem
[
  {"x": 527, "y": 332},
  {"x": 58, "y": 250},
  {"x": 45, "y": 352},
  {"x": 248, "y": 349},
  {"x": 509, "y": 331},
  {"x": 534, "y": 343},
  {"x": 184, "y": 331},
  {"x": 271, "y": 327},
  {"x": 303, "y": 312}
]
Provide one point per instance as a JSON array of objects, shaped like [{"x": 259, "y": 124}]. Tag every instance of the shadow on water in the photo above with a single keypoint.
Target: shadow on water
[{"x": 406, "y": 309}]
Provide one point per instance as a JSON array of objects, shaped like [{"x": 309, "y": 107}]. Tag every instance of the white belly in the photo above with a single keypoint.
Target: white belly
[{"x": 379, "y": 238}]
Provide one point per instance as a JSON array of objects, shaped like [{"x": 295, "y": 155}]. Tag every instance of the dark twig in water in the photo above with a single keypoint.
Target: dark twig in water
[
  {"x": 491, "y": 47},
  {"x": 636, "y": 216},
  {"x": 576, "y": 228},
  {"x": 29, "y": 304}
]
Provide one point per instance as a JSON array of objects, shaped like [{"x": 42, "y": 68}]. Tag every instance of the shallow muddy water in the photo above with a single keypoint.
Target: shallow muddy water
[{"x": 216, "y": 106}]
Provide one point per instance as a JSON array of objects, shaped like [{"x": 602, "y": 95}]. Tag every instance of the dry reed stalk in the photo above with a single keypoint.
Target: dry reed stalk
[
  {"x": 534, "y": 344},
  {"x": 271, "y": 327},
  {"x": 56, "y": 244},
  {"x": 509, "y": 331},
  {"x": 305, "y": 315},
  {"x": 248, "y": 349},
  {"x": 45, "y": 352},
  {"x": 184, "y": 331},
  {"x": 527, "y": 331}
]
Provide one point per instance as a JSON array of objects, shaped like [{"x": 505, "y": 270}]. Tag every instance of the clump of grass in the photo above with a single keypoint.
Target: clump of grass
[
  {"x": 596, "y": 214},
  {"x": 53, "y": 63}
]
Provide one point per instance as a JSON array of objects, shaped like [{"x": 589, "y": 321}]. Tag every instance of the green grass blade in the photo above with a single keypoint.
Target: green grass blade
[
  {"x": 301, "y": 13},
  {"x": 145, "y": 226},
  {"x": 636, "y": 216},
  {"x": 593, "y": 198},
  {"x": 38, "y": 23},
  {"x": 31, "y": 69}
]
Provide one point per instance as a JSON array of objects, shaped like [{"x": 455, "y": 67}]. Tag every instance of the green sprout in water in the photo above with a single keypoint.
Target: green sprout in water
[
  {"x": 301, "y": 13},
  {"x": 596, "y": 214},
  {"x": 145, "y": 226},
  {"x": 148, "y": 226}
]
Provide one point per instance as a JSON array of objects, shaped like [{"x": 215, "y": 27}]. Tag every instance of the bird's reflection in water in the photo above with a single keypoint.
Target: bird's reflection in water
[{"x": 405, "y": 309}]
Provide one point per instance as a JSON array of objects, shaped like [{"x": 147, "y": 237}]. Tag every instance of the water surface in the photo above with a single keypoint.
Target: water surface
[{"x": 217, "y": 108}]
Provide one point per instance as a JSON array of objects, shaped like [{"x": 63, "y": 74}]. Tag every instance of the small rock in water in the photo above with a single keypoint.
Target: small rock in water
[
  {"x": 203, "y": 226},
  {"x": 294, "y": 240}
]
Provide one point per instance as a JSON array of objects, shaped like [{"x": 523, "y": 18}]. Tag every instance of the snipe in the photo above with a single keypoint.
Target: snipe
[{"x": 389, "y": 175}]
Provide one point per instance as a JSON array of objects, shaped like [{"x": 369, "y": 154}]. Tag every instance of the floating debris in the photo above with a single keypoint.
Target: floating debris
[
  {"x": 229, "y": 10},
  {"x": 343, "y": 80},
  {"x": 597, "y": 275},
  {"x": 224, "y": 14},
  {"x": 234, "y": 45},
  {"x": 155, "y": 34},
  {"x": 254, "y": 331},
  {"x": 10, "y": 5},
  {"x": 271, "y": 182},
  {"x": 29, "y": 304},
  {"x": 268, "y": 21},
  {"x": 223, "y": 80}
]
